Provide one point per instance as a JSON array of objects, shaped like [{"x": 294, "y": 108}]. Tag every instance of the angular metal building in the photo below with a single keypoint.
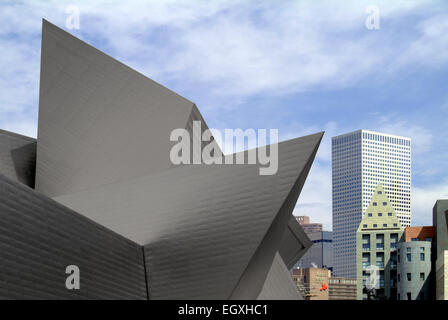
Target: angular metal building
[{"x": 97, "y": 190}]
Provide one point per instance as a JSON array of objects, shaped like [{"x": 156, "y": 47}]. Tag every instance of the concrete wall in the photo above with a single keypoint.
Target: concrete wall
[
  {"x": 419, "y": 288},
  {"x": 440, "y": 223},
  {"x": 442, "y": 276}
]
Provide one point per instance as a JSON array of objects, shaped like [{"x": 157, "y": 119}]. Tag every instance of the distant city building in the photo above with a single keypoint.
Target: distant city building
[
  {"x": 342, "y": 289},
  {"x": 313, "y": 282},
  {"x": 416, "y": 263},
  {"x": 360, "y": 160},
  {"x": 440, "y": 223},
  {"x": 414, "y": 271},
  {"x": 307, "y": 226},
  {"x": 377, "y": 239},
  {"x": 426, "y": 233},
  {"x": 320, "y": 255},
  {"x": 317, "y": 284}
]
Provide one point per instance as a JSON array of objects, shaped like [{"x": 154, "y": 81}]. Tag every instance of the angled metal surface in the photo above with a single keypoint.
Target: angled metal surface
[
  {"x": 18, "y": 157},
  {"x": 187, "y": 228},
  {"x": 295, "y": 243},
  {"x": 279, "y": 284},
  {"x": 249, "y": 285},
  {"x": 99, "y": 120},
  {"x": 39, "y": 238},
  {"x": 103, "y": 151}
]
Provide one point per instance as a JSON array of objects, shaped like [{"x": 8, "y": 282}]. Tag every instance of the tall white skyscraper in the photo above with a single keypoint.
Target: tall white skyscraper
[{"x": 360, "y": 160}]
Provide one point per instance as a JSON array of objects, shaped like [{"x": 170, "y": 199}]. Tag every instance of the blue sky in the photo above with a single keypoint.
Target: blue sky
[{"x": 299, "y": 66}]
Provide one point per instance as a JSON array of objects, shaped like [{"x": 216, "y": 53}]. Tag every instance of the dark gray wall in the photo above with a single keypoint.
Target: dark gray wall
[
  {"x": 440, "y": 222},
  {"x": 39, "y": 238},
  {"x": 18, "y": 157}
]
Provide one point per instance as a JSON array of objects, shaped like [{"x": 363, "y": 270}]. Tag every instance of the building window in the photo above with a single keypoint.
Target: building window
[
  {"x": 384, "y": 224},
  {"x": 369, "y": 214},
  {"x": 414, "y": 239},
  {"x": 380, "y": 192},
  {"x": 384, "y": 203},
  {"x": 408, "y": 249},
  {"x": 380, "y": 214},
  {"x": 422, "y": 249},
  {"x": 422, "y": 257},
  {"x": 364, "y": 226},
  {"x": 409, "y": 296},
  {"x": 374, "y": 204},
  {"x": 395, "y": 225},
  {"x": 409, "y": 276},
  {"x": 408, "y": 257},
  {"x": 389, "y": 214},
  {"x": 422, "y": 276},
  {"x": 375, "y": 225}
]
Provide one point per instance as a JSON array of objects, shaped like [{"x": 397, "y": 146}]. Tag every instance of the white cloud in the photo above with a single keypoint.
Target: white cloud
[
  {"x": 422, "y": 138},
  {"x": 236, "y": 49},
  {"x": 231, "y": 48},
  {"x": 423, "y": 200},
  {"x": 429, "y": 47},
  {"x": 316, "y": 195}
]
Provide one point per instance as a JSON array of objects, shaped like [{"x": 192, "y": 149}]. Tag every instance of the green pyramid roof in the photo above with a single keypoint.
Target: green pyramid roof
[{"x": 379, "y": 214}]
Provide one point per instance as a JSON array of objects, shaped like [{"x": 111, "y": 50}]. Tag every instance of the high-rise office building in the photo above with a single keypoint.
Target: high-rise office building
[{"x": 360, "y": 160}]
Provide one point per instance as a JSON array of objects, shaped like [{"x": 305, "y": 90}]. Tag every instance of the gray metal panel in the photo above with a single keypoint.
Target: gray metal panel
[
  {"x": 440, "y": 222},
  {"x": 18, "y": 157},
  {"x": 198, "y": 218},
  {"x": 39, "y": 238},
  {"x": 295, "y": 243},
  {"x": 99, "y": 120},
  {"x": 249, "y": 285},
  {"x": 279, "y": 284},
  {"x": 103, "y": 149}
]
